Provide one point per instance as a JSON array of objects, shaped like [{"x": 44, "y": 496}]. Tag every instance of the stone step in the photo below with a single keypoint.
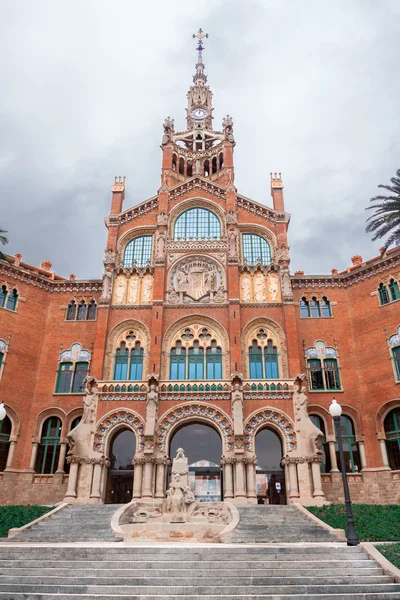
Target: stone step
[
  {"x": 170, "y": 550},
  {"x": 334, "y": 596}
]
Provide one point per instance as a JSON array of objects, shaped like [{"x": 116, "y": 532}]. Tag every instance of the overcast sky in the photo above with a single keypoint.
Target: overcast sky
[{"x": 312, "y": 85}]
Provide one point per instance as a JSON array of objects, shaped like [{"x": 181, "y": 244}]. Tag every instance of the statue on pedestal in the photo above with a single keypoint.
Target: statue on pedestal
[{"x": 180, "y": 498}]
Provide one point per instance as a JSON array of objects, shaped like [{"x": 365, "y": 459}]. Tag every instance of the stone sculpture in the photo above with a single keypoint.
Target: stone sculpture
[
  {"x": 133, "y": 289},
  {"x": 232, "y": 244},
  {"x": 181, "y": 502},
  {"x": 151, "y": 411},
  {"x": 120, "y": 289},
  {"x": 160, "y": 246},
  {"x": 147, "y": 288},
  {"x": 286, "y": 283},
  {"x": 196, "y": 279},
  {"x": 309, "y": 437},
  {"x": 89, "y": 400},
  {"x": 273, "y": 286},
  {"x": 79, "y": 438},
  {"x": 107, "y": 287},
  {"x": 246, "y": 288},
  {"x": 259, "y": 287},
  {"x": 237, "y": 409}
]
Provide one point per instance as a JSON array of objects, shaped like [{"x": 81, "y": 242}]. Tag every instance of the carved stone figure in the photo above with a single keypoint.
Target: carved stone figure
[
  {"x": 133, "y": 289},
  {"x": 79, "y": 438},
  {"x": 120, "y": 289},
  {"x": 162, "y": 219},
  {"x": 237, "y": 409},
  {"x": 232, "y": 244},
  {"x": 109, "y": 258},
  {"x": 151, "y": 410},
  {"x": 147, "y": 288},
  {"x": 309, "y": 437},
  {"x": 168, "y": 130},
  {"x": 286, "y": 283},
  {"x": 196, "y": 279},
  {"x": 227, "y": 125},
  {"x": 176, "y": 496},
  {"x": 160, "y": 256},
  {"x": 259, "y": 287},
  {"x": 282, "y": 254},
  {"x": 180, "y": 498},
  {"x": 89, "y": 400},
  {"x": 273, "y": 286},
  {"x": 245, "y": 285},
  {"x": 107, "y": 287}
]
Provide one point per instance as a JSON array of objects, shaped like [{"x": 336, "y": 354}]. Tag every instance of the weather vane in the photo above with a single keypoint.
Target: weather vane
[{"x": 200, "y": 35}]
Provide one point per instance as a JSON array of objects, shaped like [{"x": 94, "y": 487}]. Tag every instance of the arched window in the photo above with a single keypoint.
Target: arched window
[
  {"x": 181, "y": 166},
  {"x": 202, "y": 360},
  {"x": 174, "y": 162},
  {"x": 129, "y": 360},
  {"x": 71, "y": 311},
  {"x": 81, "y": 314},
  {"x": 189, "y": 168},
  {"x": 350, "y": 446},
  {"x": 138, "y": 251},
  {"x": 221, "y": 160},
  {"x": 263, "y": 359},
  {"x": 392, "y": 431},
  {"x": 314, "y": 307},
  {"x": 325, "y": 307},
  {"x": 383, "y": 294},
  {"x": 304, "y": 308},
  {"x": 73, "y": 368},
  {"x": 214, "y": 165},
  {"x": 255, "y": 249},
  {"x": 206, "y": 168},
  {"x": 12, "y": 300},
  {"x": 3, "y": 295},
  {"x": 326, "y": 463},
  {"x": 49, "y": 447},
  {"x": 91, "y": 311},
  {"x": 197, "y": 223},
  {"x": 394, "y": 289},
  {"x": 5, "y": 432}
]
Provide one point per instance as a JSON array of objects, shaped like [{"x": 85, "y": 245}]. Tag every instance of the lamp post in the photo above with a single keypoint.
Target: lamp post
[
  {"x": 352, "y": 538},
  {"x": 3, "y": 412}
]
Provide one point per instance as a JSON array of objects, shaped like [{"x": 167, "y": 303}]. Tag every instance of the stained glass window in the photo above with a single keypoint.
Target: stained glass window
[
  {"x": 49, "y": 447},
  {"x": 5, "y": 432},
  {"x": 392, "y": 431},
  {"x": 255, "y": 249},
  {"x": 138, "y": 251},
  {"x": 198, "y": 224}
]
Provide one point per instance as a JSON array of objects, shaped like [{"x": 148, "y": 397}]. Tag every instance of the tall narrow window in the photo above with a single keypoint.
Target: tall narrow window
[
  {"x": 81, "y": 315},
  {"x": 49, "y": 447},
  {"x": 350, "y": 446},
  {"x": 81, "y": 371},
  {"x": 5, "y": 432},
  {"x": 256, "y": 249},
  {"x": 196, "y": 362},
  {"x": 71, "y": 311},
  {"x": 214, "y": 361},
  {"x": 12, "y": 300},
  {"x": 396, "y": 358},
  {"x": 3, "y": 295},
  {"x": 136, "y": 363},
  {"x": 255, "y": 361},
  {"x": 325, "y": 308},
  {"x": 392, "y": 431},
  {"x": 91, "y": 312},
  {"x": 271, "y": 361},
  {"x": 316, "y": 379},
  {"x": 304, "y": 308},
  {"x": 332, "y": 381},
  {"x": 383, "y": 294},
  {"x": 121, "y": 363},
  {"x": 394, "y": 289},
  {"x": 326, "y": 463},
  {"x": 178, "y": 362},
  {"x": 314, "y": 306},
  {"x": 138, "y": 251},
  {"x": 198, "y": 224},
  {"x": 64, "y": 380}
]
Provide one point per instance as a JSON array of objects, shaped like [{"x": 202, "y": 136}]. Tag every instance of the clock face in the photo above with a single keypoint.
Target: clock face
[{"x": 199, "y": 113}]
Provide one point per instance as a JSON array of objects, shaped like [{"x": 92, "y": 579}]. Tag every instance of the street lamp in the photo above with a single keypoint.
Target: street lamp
[
  {"x": 352, "y": 538},
  {"x": 3, "y": 412}
]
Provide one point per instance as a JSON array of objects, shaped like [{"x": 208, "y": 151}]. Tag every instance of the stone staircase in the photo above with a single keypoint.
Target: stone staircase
[
  {"x": 188, "y": 572},
  {"x": 276, "y": 524},
  {"x": 74, "y": 523}
]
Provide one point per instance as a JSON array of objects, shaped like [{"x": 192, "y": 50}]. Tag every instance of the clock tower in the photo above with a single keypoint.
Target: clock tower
[{"x": 199, "y": 150}]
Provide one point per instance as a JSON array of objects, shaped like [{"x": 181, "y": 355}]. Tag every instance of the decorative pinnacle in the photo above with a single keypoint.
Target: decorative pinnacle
[{"x": 200, "y": 35}]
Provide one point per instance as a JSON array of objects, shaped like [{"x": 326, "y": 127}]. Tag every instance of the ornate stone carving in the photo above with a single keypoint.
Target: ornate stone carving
[
  {"x": 151, "y": 411},
  {"x": 168, "y": 130},
  {"x": 147, "y": 289},
  {"x": 196, "y": 279},
  {"x": 227, "y": 124},
  {"x": 286, "y": 284},
  {"x": 282, "y": 254},
  {"x": 309, "y": 437},
  {"x": 110, "y": 258},
  {"x": 259, "y": 287},
  {"x": 237, "y": 409},
  {"x": 162, "y": 219},
  {"x": 231, "y": 218},
  {"x": 232, "y": 246},
  {"x": 90, "y": 399},
  {"x": 114, "y": 419},
  {"x": 273, "y": 287},
  {"x": 120, "y": 289},
  {"x": 275, "y": 418},
  {"x": 202, "y": 245},
  {"x": 160, "y": 247},
  {"x": 133, "y": 289},
  {"x": 245, "y": 287},
  {"x": 107, "y": 287},
  {"x": 180, "y": 498}
]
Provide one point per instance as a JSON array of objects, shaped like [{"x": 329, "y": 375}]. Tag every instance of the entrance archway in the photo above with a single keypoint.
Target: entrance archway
[
  {"x": 203, "y": 447},
  {"x": 120, "y": 474},
  {"x": 269, "y": 474}
]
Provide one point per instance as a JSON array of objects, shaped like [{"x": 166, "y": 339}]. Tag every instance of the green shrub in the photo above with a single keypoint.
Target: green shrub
[
  {"x": 16, "y": 516},
  {"x": 392, "y": 553},
  {"x": 374, "y": 522}
]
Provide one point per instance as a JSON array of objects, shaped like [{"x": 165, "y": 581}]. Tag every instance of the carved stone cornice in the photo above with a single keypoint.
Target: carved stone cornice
[
  {"x": 80, "y": 460},
  {"x": 201, "y": 245},
  {"x": 300, "y": 460},
  {"x": 227, "y": 460}
]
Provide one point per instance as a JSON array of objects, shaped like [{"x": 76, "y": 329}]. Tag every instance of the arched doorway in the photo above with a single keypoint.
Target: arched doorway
[
  {"x": 269, "y": 473},
  {"x": 203, "y": 447},
  {"x": 120, "y": 474}
]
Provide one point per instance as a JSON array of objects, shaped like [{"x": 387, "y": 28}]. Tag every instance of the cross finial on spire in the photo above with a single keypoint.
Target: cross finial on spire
[{"x": 200, "y": 35}]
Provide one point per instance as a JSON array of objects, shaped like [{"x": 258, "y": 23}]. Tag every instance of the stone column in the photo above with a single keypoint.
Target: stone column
[
  {"x": 228, "y": 477},
  {"x": 61, "y": 458},
  {"x": 95, "y": 492},
  {"x": 10, "y": 455},
  {"x": 332, "y": 454},
  {"x": 148, "y": 477},
  {"x": 240, "y": 492},
  {"x": 363, "y": 458},
  {"x": 251, "y": 477},
  {"x": 384, "y": 454},
  {"x": 33, "y": 456},
  {"x": 160, "y": 477},
  {"x": 287, "y": 482},
  {"x": 317, "y": 483},
  {"x": 293, "y": 484},
  {"x": 72, "y": 479},
  {"x": 137, "y": 477}
]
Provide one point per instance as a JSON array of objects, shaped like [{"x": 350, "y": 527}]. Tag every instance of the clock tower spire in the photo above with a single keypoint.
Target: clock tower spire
[{"x": 199, "y": 110}]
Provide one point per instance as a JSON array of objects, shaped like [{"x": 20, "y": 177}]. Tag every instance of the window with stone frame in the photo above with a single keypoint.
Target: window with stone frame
[
  {"x": 263, "y": 357},
  {"x": 85, "y": 310},
  {"x": 8, "y": 298},
  {"x": 197, "y": 224},
  {"x": 351, "y": 449},
  {"x": 255, "y": 249},
  {"x": 129, "y": 357},
  {"x": 322, "y": 367},
  {"x": 49, "y": 448},
  {"x": 394, "y": 344},
  {"x": 389, "y": 291},
  {"x": 392, "y": 432},
  {"x": 315, "y": 308},
  {"x": 320, "y": 423},
  {"x": 138, "y": 252},
  {"x": 196, "y": 356},
  {"x": 72, "y": 370}
]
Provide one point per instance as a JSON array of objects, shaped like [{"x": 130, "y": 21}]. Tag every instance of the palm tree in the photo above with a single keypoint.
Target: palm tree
[
  {"x": 3, "y": 240},
  {"x": 386, "y": 219}
]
